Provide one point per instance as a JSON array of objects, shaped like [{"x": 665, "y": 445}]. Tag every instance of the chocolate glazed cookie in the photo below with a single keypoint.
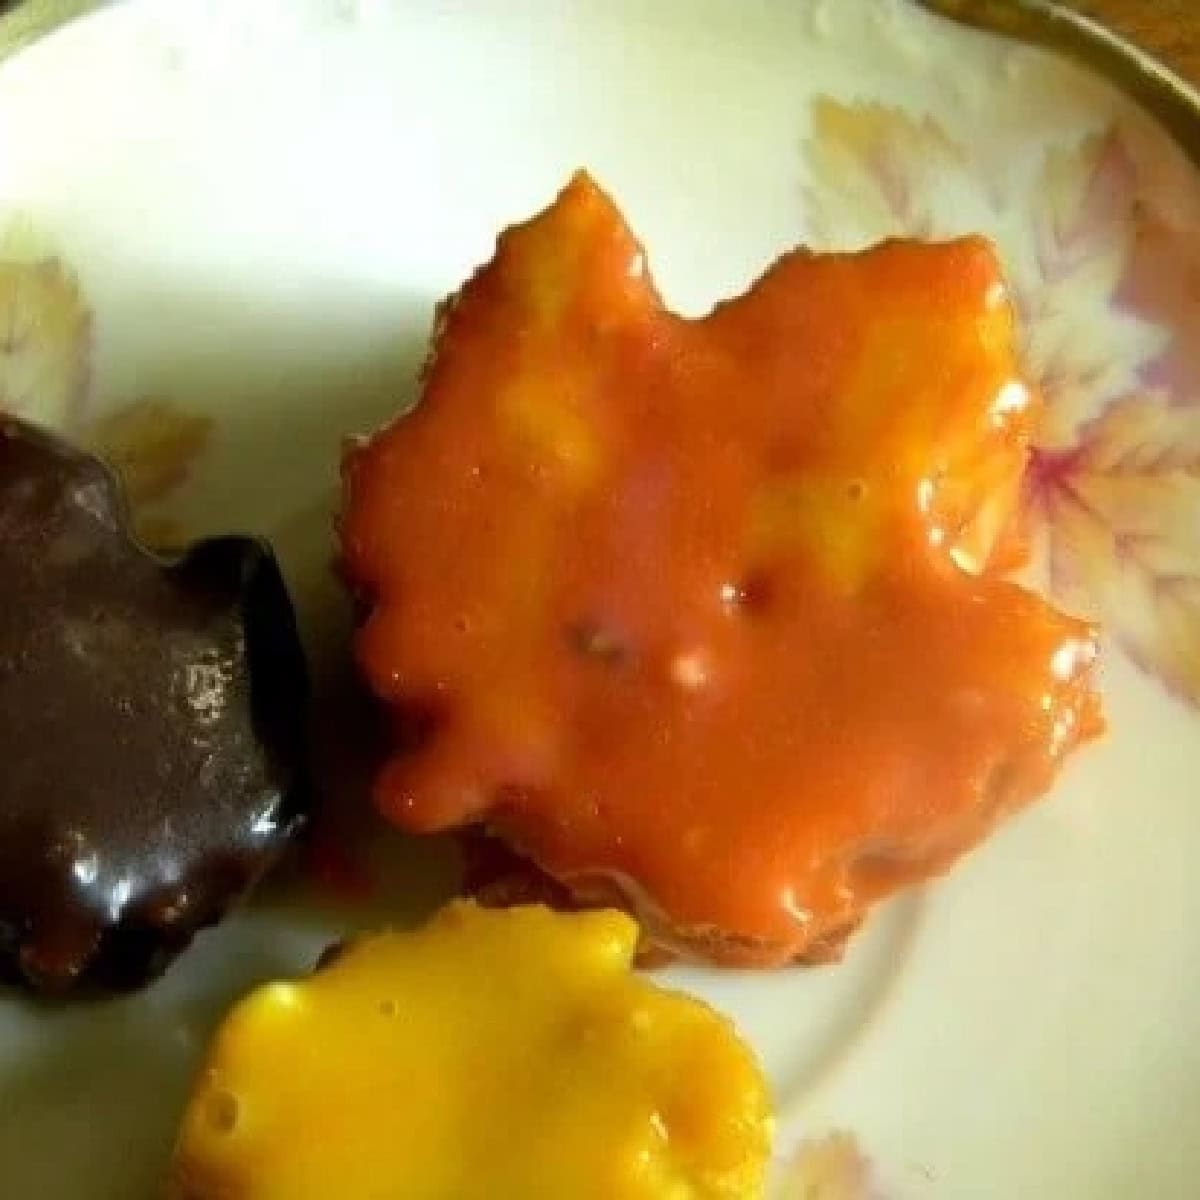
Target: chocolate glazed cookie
[{"x": 152, "y": 725}]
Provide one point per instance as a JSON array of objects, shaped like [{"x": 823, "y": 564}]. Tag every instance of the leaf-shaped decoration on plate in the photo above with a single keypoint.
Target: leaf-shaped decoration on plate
[
  {"x": 1084, "y": 347},
  {"x": 1115, "y": 485},
  {"x": 45, "y": 334},
  {"x": 1122, "y": 512},
  {"x": 154, "y": 445},
  {"x": 878, "y": 172},
  {"x": 828, "y": 1168}
]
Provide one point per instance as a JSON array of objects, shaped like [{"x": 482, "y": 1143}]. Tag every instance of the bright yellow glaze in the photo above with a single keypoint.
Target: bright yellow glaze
[{"x": 498, "y": 1055}]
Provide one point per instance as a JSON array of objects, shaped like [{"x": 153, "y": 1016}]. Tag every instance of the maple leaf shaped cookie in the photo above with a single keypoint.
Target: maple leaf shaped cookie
[
  {"x": 699, "y": 613},
  {"x": 152, "y": 719}
]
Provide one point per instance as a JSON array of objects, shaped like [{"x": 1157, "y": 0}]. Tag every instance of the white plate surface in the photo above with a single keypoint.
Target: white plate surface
[{"x": 263, "y": 199}]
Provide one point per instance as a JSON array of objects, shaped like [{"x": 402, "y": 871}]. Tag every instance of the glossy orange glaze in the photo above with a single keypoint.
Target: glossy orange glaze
[{"x": 699, "y": 608}]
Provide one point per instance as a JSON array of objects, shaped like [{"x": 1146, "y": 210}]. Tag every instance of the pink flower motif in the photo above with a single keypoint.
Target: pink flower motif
[
  {"x": 1121, "y": 530},
  {"x": 1103, "y": 274},
  {"x": 828, "y": 1168},
  {"x": 1083, "y": 346}
]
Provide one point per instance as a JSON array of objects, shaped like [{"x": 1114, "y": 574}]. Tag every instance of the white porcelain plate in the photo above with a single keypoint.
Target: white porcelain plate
[{"x": 259, "y": 203}]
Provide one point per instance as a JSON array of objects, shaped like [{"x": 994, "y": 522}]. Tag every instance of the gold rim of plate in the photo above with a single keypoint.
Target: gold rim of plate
[
  {"x": 29, "y": 20},
  {"x": 1045, "y": 23},
  {"x": 1158, "y": 89}
]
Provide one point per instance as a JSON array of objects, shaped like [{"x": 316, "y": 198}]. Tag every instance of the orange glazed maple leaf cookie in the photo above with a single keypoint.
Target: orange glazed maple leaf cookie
[{"x": 698, "y": 613}]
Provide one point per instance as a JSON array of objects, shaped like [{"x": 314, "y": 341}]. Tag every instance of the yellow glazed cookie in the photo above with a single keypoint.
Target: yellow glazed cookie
[{"x": 490, "y": 1055}]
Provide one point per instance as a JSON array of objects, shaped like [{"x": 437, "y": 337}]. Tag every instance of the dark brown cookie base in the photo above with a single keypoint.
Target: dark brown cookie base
[{"x": 152, "y": 725}]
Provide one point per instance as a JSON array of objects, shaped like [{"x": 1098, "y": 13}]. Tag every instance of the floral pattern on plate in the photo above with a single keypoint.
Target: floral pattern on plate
[
  {"x": 46, "y": 343},
  {"x": 1104, "y": 267},
  {"x": 45, "y": 333},
  {"x": 832, "y": 1167}
]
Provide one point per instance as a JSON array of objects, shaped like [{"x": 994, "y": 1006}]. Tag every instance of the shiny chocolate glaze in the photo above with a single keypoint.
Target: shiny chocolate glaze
[{"x": 152, "y": 717}]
